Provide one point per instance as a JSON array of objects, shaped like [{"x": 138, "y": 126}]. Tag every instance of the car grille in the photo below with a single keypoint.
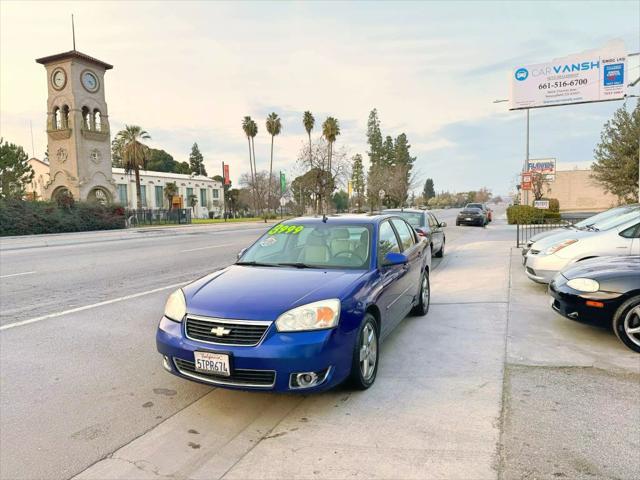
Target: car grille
[
  {"x": 533, "y": 251},
  {"x": 225, "y": 332},
  {"x": 240, "y": 377}
]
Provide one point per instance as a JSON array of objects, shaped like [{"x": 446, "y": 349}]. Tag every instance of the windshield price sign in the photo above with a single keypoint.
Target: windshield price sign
[{"x": 593, "y": 76}]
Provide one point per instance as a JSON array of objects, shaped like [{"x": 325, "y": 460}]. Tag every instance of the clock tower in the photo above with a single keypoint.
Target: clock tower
[{"x": 78, "y": 135}]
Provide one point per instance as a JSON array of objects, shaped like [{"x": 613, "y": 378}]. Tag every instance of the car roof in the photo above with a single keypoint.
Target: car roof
[
  {"x": 403, "y": 210},
  {"x": 342, "y": 219}
]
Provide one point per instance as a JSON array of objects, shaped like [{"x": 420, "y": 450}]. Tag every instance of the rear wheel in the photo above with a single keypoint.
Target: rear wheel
[
  {"x": 364, "y": 366},
  {"x": 424, "y": 297},
  {"x": 626, "y": 323}
]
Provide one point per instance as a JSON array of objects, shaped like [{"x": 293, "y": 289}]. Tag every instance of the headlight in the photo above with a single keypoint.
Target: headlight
[
  {"x": 559, "y": 246},
  {"x": 176, "y": 306},
  {"x": 584, "y": 284},
  {"x": 313, "y": 316}
]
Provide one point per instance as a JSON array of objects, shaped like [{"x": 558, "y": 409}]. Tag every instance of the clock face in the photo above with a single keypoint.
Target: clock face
[
  {"x": 89, "y": 81},
  {"x": 58, "y": 79}
]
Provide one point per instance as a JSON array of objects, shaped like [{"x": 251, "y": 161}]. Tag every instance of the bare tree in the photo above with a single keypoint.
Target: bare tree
[{"x": 539, "y": 185}]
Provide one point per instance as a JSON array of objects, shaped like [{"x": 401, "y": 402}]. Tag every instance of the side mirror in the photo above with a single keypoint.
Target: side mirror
[
  {"x": 443, "y": 224},
  {"x": 395, "y": 258},
  {"x": 422, "y": 232},
  {"x": 241, "y": 252}
]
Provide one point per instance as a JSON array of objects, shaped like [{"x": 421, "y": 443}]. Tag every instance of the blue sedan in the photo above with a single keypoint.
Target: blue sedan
[{"x": 303, "y": 308}]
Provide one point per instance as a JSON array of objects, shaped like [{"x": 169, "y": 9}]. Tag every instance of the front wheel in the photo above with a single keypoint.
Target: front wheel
[
  {"x": 364, "y": 366},
  {"x": 626, "y": 323},
  {"x": 424, "y": 297},
  {"x": 440, "y": 253}
]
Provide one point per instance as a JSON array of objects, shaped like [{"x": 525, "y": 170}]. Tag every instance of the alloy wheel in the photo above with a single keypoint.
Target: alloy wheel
[
  {"x": 368, "y": 352},
  {"x": 632, "y": 324}
]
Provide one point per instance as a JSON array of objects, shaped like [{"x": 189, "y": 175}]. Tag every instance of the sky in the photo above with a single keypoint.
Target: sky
[{"x": 190, "y": 71}]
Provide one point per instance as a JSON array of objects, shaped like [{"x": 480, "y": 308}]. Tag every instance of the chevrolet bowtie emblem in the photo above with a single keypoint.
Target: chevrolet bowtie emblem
[{"x": 220, "y": 331}]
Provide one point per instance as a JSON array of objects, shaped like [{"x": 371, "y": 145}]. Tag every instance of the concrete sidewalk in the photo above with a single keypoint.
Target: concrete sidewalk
[{"x": 433, "y": 413}]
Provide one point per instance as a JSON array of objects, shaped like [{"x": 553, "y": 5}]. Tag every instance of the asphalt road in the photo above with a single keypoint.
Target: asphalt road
[{"x": 80, "y": 376}]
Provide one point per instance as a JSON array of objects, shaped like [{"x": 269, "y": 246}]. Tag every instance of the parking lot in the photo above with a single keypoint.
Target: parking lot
[{"x": 490, "y": 384}]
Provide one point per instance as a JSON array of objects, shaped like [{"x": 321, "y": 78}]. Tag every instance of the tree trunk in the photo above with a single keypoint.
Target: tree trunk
[
  {"x": 255, "y": 171},
  {"x": 253, "y": 178},
  {"x": 138, "y": 193},
  {"x": 270, "y": 175}
]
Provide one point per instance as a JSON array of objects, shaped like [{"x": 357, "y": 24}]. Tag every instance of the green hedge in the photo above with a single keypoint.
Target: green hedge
[
  {"x": 524, "y": 214},
  {"x": 18, "y": 217}
]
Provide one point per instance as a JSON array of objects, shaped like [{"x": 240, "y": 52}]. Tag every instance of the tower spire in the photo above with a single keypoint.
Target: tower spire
[{"x": 73, "y": 32}]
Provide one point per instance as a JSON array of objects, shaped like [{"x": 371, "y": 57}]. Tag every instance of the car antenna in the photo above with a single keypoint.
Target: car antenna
[{"x": 324, "y": 218}]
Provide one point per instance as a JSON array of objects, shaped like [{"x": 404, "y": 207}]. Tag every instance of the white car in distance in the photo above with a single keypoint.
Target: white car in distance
[{"x": 550, "y": 255}]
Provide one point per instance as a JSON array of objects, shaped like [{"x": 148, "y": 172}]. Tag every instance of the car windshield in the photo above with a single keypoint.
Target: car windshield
[
  {"x": 316, "y": 245},
  {"x": 474, "y": 205},
  {"x": 601, "y": 217},
  {"x": 615, "y": 221},
  {"x": 415, "y": 219},
  {"x": 469, "y": 211}
]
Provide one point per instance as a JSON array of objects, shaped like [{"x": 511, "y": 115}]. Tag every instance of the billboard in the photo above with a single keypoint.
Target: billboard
[
  {"x": 545, "y": 166},
  {"x": 592, "y": 76},
  {"x": 525, "y": 184}
]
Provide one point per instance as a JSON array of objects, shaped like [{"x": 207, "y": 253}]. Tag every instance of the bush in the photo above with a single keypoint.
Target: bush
[
  {"x": 549, "y": 215},
  {"x": 19, "y": 217},
  {"x": 554, "y": 204},
  {"x": 524, "y": 214}
]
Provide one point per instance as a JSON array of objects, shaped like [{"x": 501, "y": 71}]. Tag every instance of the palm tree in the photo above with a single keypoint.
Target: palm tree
[
  {"x": 274, "y": 127},
  {"x": 330, "y": 131},
  {"x": 308, "y": 121},
  {"x": 253, "y": 131},
  {"x": 134, "y": 153},
  {"x": 247, "y": 127},
  {"x": 170, "y": 191}
]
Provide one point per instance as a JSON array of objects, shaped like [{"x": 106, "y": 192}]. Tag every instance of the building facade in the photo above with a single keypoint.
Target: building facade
[
  {"x": 208, "y": 193},
  {"x": 577, "y": 192},
  {"x": 78, "y": 134}
]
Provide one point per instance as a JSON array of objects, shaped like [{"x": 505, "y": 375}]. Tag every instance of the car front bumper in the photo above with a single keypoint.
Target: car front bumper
[
  {"x": 278, "y": 354},
  {"x": 542, "y": 268},
  {"x": 572, "y": 304},
  {"x": 473, "y": 221}
]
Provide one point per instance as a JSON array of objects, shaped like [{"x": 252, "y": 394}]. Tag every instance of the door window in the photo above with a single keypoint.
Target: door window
[
  {"x": 404, "y": 232},
  {"x": 387, "y": 241},
  {"x": 631, "y": 232}
]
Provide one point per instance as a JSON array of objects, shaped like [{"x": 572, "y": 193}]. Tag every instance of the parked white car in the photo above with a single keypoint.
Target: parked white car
[
  {"x": 550, "y": 255},
  {"x": 581, "y": 225}
]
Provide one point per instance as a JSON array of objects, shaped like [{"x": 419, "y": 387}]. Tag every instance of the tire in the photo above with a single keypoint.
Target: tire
[
  {"x": 626, "y": 318},
  {"x": 440, "y": 253},
  {"x": 457, "y": 224},
  {"x": 361, "y": 379},
  {"x": 422, "y": 307}
]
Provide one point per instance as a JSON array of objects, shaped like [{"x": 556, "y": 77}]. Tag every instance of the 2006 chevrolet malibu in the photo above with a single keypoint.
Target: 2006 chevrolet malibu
[{"x": 303, "y": 308}]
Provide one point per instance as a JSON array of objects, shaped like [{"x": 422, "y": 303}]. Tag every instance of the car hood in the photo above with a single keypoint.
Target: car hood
[
  {"x": 264, "y": 293},
  {"x": 547, "y": 242},
  {"x": 602, "y": 268},
  {"x": 556, "y": 231}
]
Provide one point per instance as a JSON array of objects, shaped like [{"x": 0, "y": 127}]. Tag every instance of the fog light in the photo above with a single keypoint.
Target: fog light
[
  {"x": 308, "y": 379},
  {"x": 166, "y": 363}
]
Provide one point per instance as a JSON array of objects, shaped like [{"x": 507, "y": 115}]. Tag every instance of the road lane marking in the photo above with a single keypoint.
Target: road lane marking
[
  {"x": 16, "y": 274},
  {"x": 88, "y": 307},
  {"x": 205, "y": 248}
]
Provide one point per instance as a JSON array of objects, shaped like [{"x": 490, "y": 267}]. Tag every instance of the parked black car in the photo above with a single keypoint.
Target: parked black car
[
  {"x": 487, "y": 211},
  {"x": 426, "y": 225},
  {"x": 602, "y": 291},
  {"x": 472, "y": 216}
]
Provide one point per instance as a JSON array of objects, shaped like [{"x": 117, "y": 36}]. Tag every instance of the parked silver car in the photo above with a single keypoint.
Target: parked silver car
[
  {"x": 581, "y": 225},
  {"x": 550, "y": 255}
]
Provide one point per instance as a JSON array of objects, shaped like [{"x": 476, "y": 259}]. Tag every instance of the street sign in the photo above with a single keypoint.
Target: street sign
[
  {"x": 591, "y": 76},
  {"x": 283, "y": 183},
  {"x": 542, "y": 204}
]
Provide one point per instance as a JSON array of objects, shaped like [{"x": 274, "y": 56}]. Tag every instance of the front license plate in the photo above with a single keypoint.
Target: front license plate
[
  {"x": 209, "y": 362},
  {"x": 467, "y": 218}
]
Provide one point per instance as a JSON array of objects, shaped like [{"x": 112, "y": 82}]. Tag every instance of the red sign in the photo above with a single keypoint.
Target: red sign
[
  {"x": 526, "y": 181},
  {"x": 225, "y": 173}
]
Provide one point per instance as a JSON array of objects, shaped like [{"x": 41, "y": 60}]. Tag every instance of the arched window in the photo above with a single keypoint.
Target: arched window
[
  {"x": 97, "y": 120},
  {"x": 57, "y": 119},
  {"x": 86, "y": 118},
  {"x": 65, "y": 117}
]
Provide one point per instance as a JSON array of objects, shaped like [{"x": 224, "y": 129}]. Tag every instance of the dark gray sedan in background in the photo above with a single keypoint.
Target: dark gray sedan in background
[{"x": 426, "y": 224}]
